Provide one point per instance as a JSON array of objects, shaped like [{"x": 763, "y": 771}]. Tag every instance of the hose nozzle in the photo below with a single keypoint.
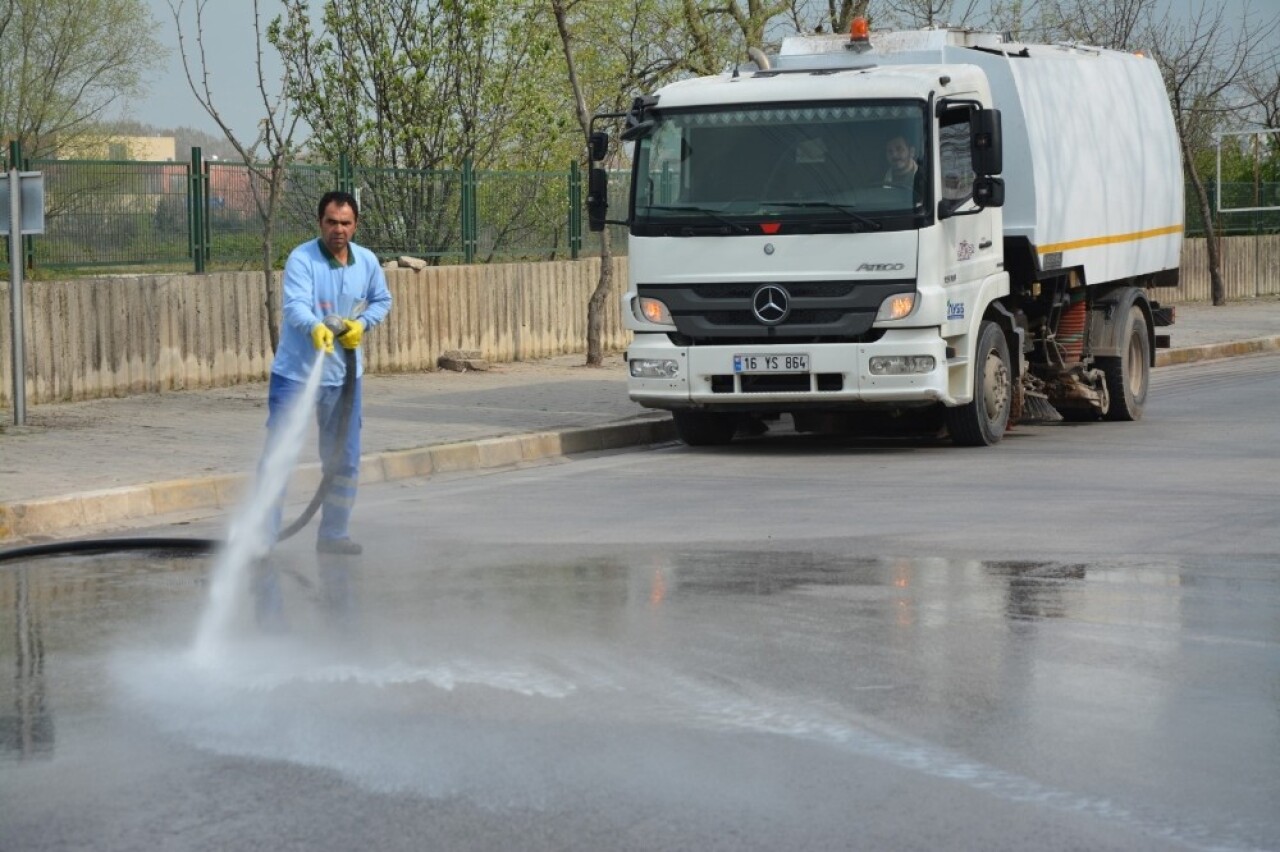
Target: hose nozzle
[{"x": 334, "y": 323}]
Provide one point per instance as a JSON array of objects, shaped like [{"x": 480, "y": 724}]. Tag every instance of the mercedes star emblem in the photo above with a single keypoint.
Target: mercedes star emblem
[{"x": 771, "y": 304}]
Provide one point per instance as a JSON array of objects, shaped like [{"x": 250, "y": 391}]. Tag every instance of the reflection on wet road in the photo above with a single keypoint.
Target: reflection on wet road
[{"x": 755, "y": 697}]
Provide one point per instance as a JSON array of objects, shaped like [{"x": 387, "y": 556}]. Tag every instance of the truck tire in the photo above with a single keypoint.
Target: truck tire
[
  {"x": 705, "y": 428},
  {"x": 983, "y": 421},
  {"x": 1129, "y": 375}
]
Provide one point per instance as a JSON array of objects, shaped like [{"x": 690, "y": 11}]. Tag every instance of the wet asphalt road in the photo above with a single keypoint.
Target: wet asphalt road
[{"x": 1070, "y": 641}]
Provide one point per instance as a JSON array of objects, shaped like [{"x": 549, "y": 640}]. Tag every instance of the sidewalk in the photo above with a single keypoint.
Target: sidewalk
[{"x": 80, "y": 468}]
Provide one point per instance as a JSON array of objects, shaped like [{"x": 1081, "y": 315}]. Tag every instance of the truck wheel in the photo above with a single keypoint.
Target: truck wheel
[
  {"x": 1129, "y": 375},
  {"x": 982, "y": 422},
  {"x": 705, "y": 428}
]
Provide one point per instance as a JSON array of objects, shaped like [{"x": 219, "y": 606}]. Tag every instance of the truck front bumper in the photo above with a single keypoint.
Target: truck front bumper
[{"x": 839, "y": 375}]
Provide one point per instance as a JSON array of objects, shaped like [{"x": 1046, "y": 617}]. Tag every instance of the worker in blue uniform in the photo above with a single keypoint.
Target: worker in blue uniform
[{"x": 330, "y": 277}]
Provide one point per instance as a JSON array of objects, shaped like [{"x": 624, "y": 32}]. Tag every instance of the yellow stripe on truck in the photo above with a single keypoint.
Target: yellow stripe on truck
[{"x": 1110, "y": 239}]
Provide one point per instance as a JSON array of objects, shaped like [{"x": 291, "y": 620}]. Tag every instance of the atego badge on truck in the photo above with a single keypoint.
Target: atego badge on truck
[{"x": 902, "y": 227}]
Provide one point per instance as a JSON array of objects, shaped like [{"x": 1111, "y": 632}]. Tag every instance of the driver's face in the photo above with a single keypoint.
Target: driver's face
[{"x": 899, "y": 154}]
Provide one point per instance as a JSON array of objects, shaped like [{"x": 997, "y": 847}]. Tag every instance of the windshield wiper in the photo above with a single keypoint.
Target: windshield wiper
[
  {"x": 714, "y": 214},
  {"x": 870, "y": 224}
]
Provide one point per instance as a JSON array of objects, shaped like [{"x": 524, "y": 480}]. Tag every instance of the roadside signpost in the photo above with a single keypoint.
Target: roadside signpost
[{"x": 21, "y": 213}]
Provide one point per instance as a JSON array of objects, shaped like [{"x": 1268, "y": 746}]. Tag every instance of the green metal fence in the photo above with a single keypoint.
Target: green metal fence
[
  {"x": 231, "y": 205},
  {"x": 109, "y": 213},
  {"x": 118, "y": 213},
  {"x": 1234, "y": 222},
  {"x": 206, "y": 214}
]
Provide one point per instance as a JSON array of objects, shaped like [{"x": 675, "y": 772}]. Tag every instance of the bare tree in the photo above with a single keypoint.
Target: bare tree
[
  {"x": 635, "y": 46},
  {"x": 1263, "y": 89},
  {"x": 1205, "y": 62},
  {"x": 604, "y": 286},
  {"x": 1010, "y": 17},
  {"x": 1117, "y": 24},
  {"x": 913, "y": 14},
  {"x": 842, "y": 13},
  {"x": 267, "y": 157},
  {"x": 833, "y": 15}
]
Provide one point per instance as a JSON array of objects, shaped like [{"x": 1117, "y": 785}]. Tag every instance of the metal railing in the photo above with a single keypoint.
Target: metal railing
[
  {"x": 1230, "y": 222},
  {"x": 105, "y": 213},
  {"x": 206, "y": 214}
]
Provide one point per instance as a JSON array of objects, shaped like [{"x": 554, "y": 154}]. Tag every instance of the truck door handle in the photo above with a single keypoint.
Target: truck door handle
[{"x": 985, "y": 244}]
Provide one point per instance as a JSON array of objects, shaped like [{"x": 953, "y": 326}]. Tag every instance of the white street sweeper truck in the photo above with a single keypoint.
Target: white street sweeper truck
[{"x": 899, "y": 227}]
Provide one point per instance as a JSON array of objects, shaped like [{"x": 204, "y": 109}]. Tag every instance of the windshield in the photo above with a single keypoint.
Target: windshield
[{"x": 816, "y": 167}]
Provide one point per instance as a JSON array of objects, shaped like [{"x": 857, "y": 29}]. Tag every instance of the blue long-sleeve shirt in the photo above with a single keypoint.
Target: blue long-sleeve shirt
[{"x": 315, "y": 286}]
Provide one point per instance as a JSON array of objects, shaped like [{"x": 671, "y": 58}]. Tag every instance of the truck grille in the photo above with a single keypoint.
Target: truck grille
[
  {"x": 737, "y": 319},
  {"x": 714, "y": 313}
]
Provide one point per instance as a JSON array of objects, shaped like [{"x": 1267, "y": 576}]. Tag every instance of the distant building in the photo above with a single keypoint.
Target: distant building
[{"x": 116, "y": 147}]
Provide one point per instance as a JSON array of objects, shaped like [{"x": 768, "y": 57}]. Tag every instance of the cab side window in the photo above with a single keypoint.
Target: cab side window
[{"x": 955, "y": 158}]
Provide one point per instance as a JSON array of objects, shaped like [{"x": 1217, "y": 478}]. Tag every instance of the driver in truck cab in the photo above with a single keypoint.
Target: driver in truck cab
[{"x": 903, "y": 170}]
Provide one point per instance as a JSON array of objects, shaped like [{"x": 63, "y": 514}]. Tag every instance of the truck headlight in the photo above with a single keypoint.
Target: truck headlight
[
  {"x": 654, "y": 368},
  {"x": 652, "y": 310},
  {"x": 896, "y": 307},
  {"x": 901, "y": 365}
]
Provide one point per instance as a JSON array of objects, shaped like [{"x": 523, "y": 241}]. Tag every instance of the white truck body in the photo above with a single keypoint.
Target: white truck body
[
  {"x": 1091, "y": 160},
  {"x": 1091, "y": 216}
]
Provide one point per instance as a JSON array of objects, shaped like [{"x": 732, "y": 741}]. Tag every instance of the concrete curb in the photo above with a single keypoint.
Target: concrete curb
[
  {"x": 1212, "y": 351},
  {"x": 54, "y": 515}
]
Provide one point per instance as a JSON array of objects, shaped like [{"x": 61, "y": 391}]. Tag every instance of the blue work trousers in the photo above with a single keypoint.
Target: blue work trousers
[{"x": 340, "y": 499}]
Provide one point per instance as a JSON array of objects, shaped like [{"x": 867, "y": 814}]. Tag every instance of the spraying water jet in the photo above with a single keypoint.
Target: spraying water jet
[{"x": 204, "y": 546}]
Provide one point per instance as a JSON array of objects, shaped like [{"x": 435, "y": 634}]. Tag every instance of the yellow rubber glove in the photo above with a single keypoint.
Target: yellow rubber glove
[
  {"x": 322, "y": 337},
  {"x": 350, "y": 339}
]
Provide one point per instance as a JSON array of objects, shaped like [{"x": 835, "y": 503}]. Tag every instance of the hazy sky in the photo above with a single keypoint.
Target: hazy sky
[{"x": 229, "y": 43}]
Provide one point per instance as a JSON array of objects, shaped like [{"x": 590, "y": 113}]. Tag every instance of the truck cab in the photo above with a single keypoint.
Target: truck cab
[{"x": 822, "y": 235}]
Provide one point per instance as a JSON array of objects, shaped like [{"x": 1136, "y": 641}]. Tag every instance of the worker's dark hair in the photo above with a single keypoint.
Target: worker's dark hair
[{"x": 342, "y": 199}]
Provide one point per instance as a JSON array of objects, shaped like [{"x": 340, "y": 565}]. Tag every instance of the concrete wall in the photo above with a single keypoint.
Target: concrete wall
[
  {"x": 1250, "y": 268},
  {"x": 99, "y": 337}
]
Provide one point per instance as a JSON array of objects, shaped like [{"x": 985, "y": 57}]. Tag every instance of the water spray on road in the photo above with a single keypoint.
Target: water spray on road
[{"x": 251, "y": 529}]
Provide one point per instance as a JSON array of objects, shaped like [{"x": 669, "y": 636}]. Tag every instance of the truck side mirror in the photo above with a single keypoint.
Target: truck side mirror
[
  {"x": 988, "y": 191},
  {"x": 597, "y": 198},
  {"x": 639, "y": 130},
  {"x": 986, "y": 142},
  {"x": 637, "y": 126},
  {"x": 599, "y": 146}
]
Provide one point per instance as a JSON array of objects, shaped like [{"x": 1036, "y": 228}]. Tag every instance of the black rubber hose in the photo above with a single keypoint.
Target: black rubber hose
[
  {"x": 83, "y": 547},
  {"x": 201, "y": 546},
  {"x": 329, "y": 466}
]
